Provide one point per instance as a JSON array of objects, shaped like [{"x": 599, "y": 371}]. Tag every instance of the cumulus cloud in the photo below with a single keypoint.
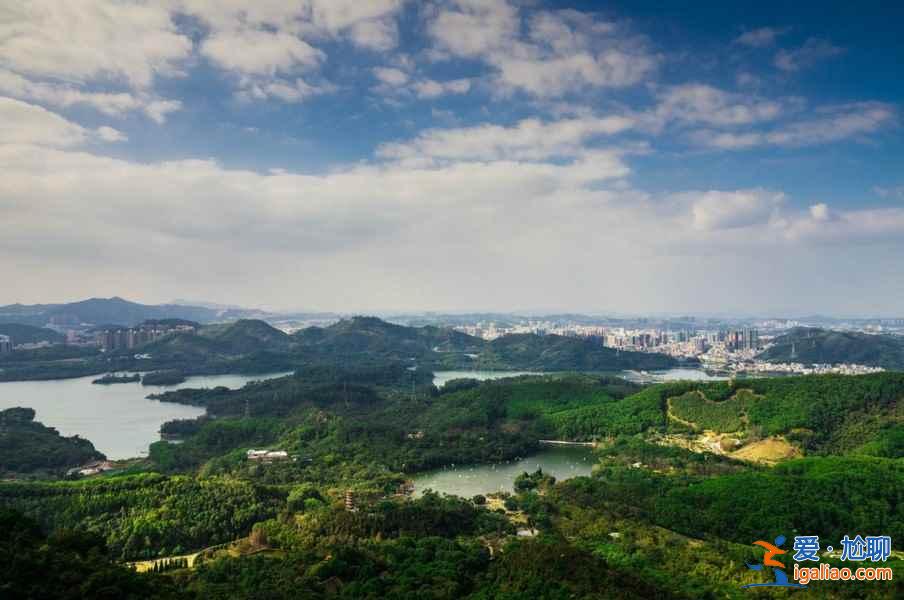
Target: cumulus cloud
[
  {"x": 23, "y": 123},
  {"x": 391, "y": 76},
  {"x": 698, "y": 103},
  {"x": 561, "y": 52},
  {"x": 714, "y": 210},
  {"x": 255, "y": 52},
  {"x": 90, "y": 39},
  {"x": 55, "y": 52},
  {"x": 64, "y": 95}
]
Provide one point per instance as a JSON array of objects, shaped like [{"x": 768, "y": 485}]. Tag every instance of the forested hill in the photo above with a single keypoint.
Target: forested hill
[
  {"x": 369, "y": 340},
  {"x": 27, "y": 446},
  {"x": 812, "y": 345},
  {"x": 29, "y": 334},
  {"x": 373, "y": 336},
  {"x": 437, "y": 347},
  {"x": 254, "y": 346},
  {"x": 560, "y": 353}
]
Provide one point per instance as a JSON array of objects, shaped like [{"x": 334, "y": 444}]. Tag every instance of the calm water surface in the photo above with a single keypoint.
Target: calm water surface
[
  {"x": 118, "y": 419},
  {"x": 469, "y": 480},
  {"x": 672, "y": 375},
  {"x": 441, "y": 377}
]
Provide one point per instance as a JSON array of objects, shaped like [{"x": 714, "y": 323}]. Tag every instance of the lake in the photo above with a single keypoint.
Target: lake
[
  {"x": 672, "y": 375},
  {"x": 562, "y": 463},
  {"x": 441, "y": 377},
  {"x": 118, "y": 419}
]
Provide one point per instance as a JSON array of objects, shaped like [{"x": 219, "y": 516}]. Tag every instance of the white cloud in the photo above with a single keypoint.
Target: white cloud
[
  {"x": 268, "y": 45},
  {"x": 729, "y": 210},
  {"x": 376, "y": 231},
  {"x": 813, "y": 51},
  {"x": 91, "y": 39},
  {"x": 530, "y": 139},
  {"x": 23, "y": 123},
  {"x": 286, "y": 90},
  {"x": 830, "y": 124},
  {"x": 428, "y": 88},
  {"x": 562, "y": 51},
  {"x": 697, "y": 103},
  {"x": 763, "y": 37},
  {"x": 253, "y": 52},
  {"x": 108, "y": 134},
  {"x": 157, "y": 110},
  {"x": 65, "y": 95},
  {"x": 820, "y": 212},
  {"x": 391, "y": 76}
]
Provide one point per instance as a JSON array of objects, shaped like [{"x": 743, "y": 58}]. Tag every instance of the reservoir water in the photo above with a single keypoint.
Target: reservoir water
[
  {"x": 562, "y": 463},
  {"x": 672, "y": 375},
  {"x": 118, "y": 419},
  {"x": 441, "y": 377}
]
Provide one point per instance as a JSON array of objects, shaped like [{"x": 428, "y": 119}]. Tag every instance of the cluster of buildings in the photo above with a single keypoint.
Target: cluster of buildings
[
  {"x": 132, "y": 337},
  {"x": 268, "y": 456},
  {"x": 6, "y": 344},
  {"x": 92, "y": 468},
  {"x": 491, "y": 330},
  {"x": 801, "y": 369},
  {"x": 684, "y": 343}
]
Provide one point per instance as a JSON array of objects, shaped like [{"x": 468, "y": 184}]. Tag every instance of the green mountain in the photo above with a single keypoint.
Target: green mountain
[
  {"x": 811, "y": 345},
  {"x": 247, "y": 335},
  {"x": 560, "y": 353},
  {"x": 370, "y": 336},
  {"x": 242, "y": 337},
  {"x": 253, "y": 346},
  {"x": 27, "y": 446},
  {"x": 438, "y": 347},
  {"x": 29, "y": 334}
]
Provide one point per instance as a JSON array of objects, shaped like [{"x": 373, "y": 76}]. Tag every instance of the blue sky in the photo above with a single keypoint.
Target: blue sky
[{"x": 453, "y": 155}]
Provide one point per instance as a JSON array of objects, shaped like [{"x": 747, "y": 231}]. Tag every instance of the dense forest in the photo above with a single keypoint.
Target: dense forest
[
  {"x": 655, "y": 519},
  {"x": 28, "y": 447}
]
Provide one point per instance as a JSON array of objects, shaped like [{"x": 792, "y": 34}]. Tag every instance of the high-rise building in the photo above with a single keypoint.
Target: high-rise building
[{"x": 742, "y": 339}]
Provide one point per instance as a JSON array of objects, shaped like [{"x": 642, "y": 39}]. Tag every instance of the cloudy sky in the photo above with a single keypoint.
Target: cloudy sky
[{"x": 454, "y": 155}]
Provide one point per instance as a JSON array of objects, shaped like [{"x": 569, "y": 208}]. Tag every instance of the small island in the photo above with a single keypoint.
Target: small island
[
  {"x": 111, "y": 378},
  {"x": 171, "y": 377}
]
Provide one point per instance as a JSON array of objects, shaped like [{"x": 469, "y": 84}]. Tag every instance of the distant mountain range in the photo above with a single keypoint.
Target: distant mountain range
[
  {"x": 813, "y": 345},
  {"x": 112, "y": 311}
]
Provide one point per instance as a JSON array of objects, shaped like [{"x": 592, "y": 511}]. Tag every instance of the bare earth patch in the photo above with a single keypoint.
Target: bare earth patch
[{"x": 769, "y": 451}]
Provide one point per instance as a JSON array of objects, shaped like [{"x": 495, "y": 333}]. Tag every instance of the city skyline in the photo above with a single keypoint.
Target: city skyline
[{"x": 467, "y": 155}]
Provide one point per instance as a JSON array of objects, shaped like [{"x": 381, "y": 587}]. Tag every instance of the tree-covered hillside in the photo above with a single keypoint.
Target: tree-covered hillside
[
  {"x": 28, "y": 447},
  {"x": 657, "y": 518},
  {"x": 810, "y": 345},
  {"x": 253, "y": 346},
  {"x": 29, "y": 334}
]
